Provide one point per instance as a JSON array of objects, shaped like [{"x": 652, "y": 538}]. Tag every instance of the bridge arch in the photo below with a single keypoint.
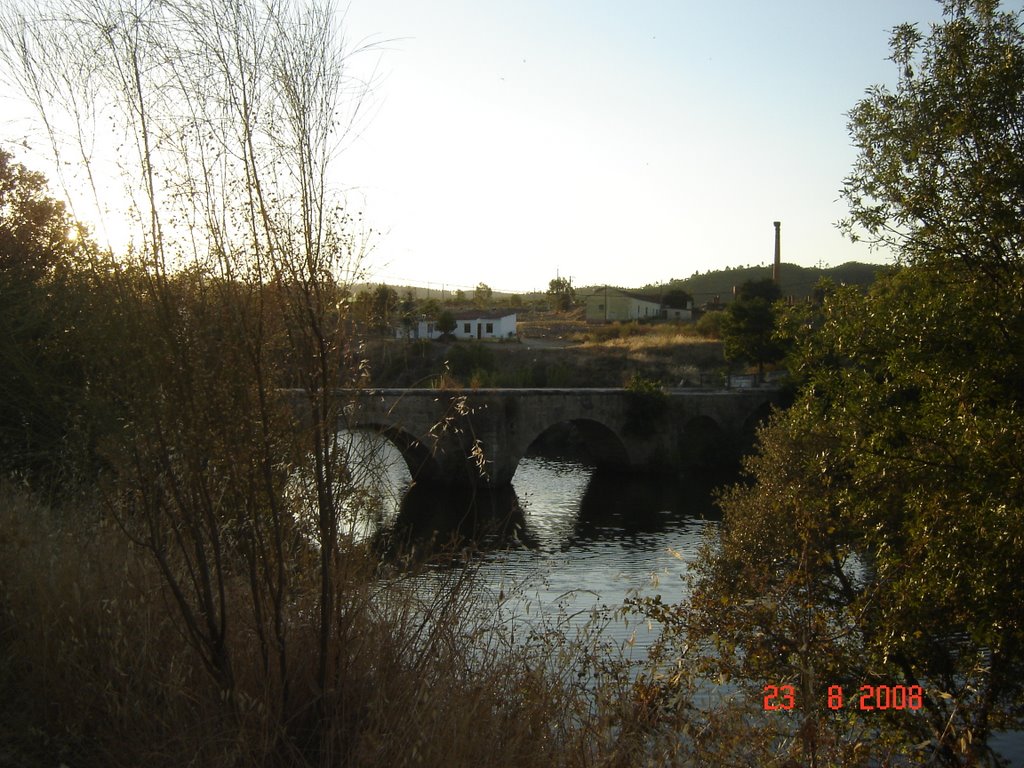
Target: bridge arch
[
  {"x": 703, "y": 442},
  {"x": 600, "y": 442},
  {"x": 757, "y": 417},
  {"x": 420, "y": 460}
]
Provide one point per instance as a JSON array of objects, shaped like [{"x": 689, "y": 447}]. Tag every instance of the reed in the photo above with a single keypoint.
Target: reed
[{"x": 96, "y": 668}]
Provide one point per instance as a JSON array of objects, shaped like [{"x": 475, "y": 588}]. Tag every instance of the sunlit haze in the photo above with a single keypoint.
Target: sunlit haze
[{"x": 620, "y": 143}]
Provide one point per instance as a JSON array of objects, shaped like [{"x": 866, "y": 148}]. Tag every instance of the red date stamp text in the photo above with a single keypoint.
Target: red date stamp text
[{"x": 868, "y": 698}]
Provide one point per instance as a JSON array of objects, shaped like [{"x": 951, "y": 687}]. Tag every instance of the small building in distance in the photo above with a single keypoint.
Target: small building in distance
[
  {"x": 678, "y": 314},
  {"x": 610, "y": 304},
  {"x": 469, "y": 324}
]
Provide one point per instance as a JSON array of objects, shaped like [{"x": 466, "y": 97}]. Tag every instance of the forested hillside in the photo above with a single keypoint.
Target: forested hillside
[{"x": 796, "y": 281}]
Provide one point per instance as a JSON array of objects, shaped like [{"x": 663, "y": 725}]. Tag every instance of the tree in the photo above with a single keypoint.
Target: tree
[
  {"x": 766, "y": 289},
  {"x": 482, "y": 294},
  {"x": 384, "y": 305},
  {"x": 42, "y": 381},
  {"x": 228, "y": 116},
  {"x": 563, "y": 292},
  {"x": 887, "y": 505},
  {"x": 938, "y": 174},
  {"x": 874, "y": 544},
  {"x": 446, "y": 322},
  {"x": 749, "y": 327},
  {"x": 37, "y": 235},
  {"x": 431, "y": 308},
  {"x": 677, "y": 299}
]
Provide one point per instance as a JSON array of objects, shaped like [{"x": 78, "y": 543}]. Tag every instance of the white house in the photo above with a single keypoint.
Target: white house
[
  {"x": 473, "y": 324},
  {"x": 470, "y": 324}
]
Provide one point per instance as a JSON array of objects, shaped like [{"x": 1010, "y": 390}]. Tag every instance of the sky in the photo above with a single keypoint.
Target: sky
[{"x": 609, "y": 142}]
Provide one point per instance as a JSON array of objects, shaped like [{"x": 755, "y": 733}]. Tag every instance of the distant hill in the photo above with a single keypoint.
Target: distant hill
[
  {"x": 797, "y": 281},
  {"x": 419, "y": 293}
]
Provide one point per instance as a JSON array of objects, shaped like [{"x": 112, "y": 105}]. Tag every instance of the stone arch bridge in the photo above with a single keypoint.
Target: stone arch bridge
[{"x": 476, "y": 437}]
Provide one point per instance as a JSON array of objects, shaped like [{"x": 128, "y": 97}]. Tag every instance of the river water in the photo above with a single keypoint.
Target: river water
[{"x": 564, "y": 540}]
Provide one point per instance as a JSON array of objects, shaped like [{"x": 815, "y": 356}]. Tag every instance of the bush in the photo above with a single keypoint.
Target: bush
[
  {"x": 95, "y": 670},
  {"x": 467, "y": 360},
  {"x": 709, "y": 325}
]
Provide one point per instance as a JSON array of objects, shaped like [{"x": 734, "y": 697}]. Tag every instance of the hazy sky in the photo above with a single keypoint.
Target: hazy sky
[
  {"x": 615, "y": 142},
  {"x": 611, "y": 142}
]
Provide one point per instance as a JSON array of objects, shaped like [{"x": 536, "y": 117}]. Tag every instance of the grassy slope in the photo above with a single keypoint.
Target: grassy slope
[{"x": 600, "y": 358}]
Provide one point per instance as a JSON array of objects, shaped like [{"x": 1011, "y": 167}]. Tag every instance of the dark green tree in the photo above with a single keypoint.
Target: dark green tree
[
  {"x": 482, "y": 294},
  {"x": 766, "y": 289},
  {"x": 877, "y": 542},
  {"x": 431, "y": 308},
  {"x": 446, "y": 322},
  {"x": 749, "y": 327},
  {"x": 42, "y": 299},
  {"x": 407, "y": 311},
  {"x": 385, "y": 305},
  {"x": 677, "y": 299},
  {"x": 939, "y": 174},
  {"x": 562, "y": 291}
]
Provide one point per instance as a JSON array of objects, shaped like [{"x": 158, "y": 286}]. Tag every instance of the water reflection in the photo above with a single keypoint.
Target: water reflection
[
  {"x": 562, "y": 527},
  {"x": 432, "y": 521},
  {"x": 631, "y": 506},
  {"x": 564, "y": 505}
]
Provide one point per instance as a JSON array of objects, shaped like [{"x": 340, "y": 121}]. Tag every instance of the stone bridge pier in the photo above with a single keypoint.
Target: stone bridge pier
[{"x": 476, "y": 437}]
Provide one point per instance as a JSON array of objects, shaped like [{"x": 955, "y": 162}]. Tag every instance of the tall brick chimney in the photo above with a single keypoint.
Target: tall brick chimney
[{"x": 778, "y": 252}]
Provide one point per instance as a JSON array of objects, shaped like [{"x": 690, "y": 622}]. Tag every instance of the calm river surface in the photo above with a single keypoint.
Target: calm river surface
[{"x": 563, "y": 539}]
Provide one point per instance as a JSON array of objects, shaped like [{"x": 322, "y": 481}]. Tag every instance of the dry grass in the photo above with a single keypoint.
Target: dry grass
[
  {"x": 552, "y": 324},
  {"x": 93, "y": 666},
  {"x": 604, "y": 356},
  {"x": 428, "y": 671},
  {"x": 651, "y": 334},
  {"x": 668, "y": 340},
  {"x": 95, "y": 669}
]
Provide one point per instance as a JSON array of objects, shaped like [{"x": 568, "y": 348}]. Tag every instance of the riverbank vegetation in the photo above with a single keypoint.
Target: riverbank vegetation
[
  {"x": 176, "y": 581},
  {"x": 670, "y": 355},
  {"x": 878, "y": 543}
]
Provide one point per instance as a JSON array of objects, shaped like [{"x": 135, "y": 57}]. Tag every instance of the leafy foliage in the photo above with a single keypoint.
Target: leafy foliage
[
  {"x": 562, "y": 291},
  {"x": 446, "y": 322},
  {"x": 677, "y": 298},
  {"x": 940, "y": 169},
  {"x": 42, "y": 300},
  {"x": 482, "y": 294},
  {"x": 383, "y": 305},
  {"x": 888, "y": 503},
  {"x": 748, "y": 328},
  {"x": 879, "y": 539}
]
